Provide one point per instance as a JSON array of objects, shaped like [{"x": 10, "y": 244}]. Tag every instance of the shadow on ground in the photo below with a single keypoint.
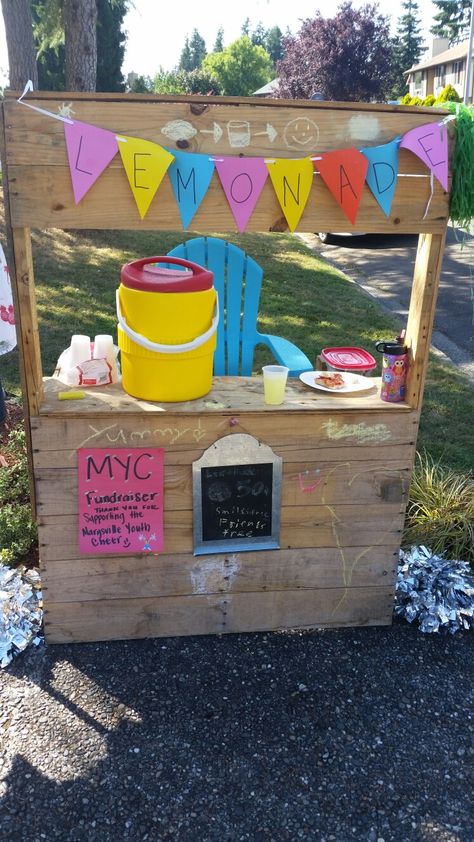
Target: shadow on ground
[{"x": 355, "y": 734}]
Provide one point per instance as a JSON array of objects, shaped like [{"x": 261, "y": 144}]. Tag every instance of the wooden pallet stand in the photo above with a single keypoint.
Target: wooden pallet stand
[{"x": 346, "y": 460}]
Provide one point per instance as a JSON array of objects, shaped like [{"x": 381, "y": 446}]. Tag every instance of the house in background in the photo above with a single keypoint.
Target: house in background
[{"x": 444, "y": 65}]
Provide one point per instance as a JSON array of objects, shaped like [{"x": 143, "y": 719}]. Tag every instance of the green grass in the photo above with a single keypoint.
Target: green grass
[{"x": 303, "y": 299}]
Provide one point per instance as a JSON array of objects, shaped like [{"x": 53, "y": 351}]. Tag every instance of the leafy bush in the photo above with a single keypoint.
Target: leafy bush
[
  {"x": 440, "y": 511},
  {"x": 416, "y": 100},
  {"x": 18, "y": 535},
  {"x": 429, "y": 100},
  {"x": 406, "y": 100},
  {"x": 448, "y": 94}
]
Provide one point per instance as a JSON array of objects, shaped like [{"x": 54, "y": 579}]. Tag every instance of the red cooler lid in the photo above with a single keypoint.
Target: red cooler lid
[
  {"x": 147, "y": 276},
  {"x": 352, "y": 359}
]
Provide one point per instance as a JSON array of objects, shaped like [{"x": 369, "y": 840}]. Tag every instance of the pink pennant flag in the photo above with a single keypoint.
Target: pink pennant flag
[
  {"x": 242, "y": 180},
  {"x": 89, "y": 151},
  {"x": 430, "y": 144}
]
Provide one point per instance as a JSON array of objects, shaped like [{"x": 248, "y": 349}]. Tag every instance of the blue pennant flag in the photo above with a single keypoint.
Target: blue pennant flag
[
  {"x": 382, "y": 172},
  {"x": 190, "y": 175}
]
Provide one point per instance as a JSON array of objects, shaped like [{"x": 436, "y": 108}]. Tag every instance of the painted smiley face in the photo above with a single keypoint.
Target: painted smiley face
[{"x": 301, "y": 133}]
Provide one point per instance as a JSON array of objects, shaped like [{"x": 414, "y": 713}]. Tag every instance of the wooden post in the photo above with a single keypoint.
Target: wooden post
[{"x": 426, "y": 275}]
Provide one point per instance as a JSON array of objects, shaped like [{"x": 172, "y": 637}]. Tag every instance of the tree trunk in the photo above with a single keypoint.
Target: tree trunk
[
  {"x": 80, "y": 44},
  {"x": 20, "y": 44}
]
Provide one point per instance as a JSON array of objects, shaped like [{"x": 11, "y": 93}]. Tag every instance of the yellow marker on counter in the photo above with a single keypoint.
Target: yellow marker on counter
[{"x": 71, "y": 396}]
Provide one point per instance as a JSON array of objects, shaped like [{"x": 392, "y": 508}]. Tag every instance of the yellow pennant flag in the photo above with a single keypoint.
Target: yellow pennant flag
[
  {"x": 292, "y": 180},
  {"x": 145, "y": 163}
]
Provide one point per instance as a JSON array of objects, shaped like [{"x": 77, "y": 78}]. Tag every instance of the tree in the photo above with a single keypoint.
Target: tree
[
  {"x": 452, "y": 20},
  {"x": 80, "y": 44},
  {"x": 111, "y": 42},
  {"x": 185, "y": 58},
  {"x": 241, "y": 68},
  {"x": 245, "y": 28},
  {"x": 408, "y": 46},
  {"x": 259, "y": 36},
  {"x": 347, "y": 57},
  {"x": 219, "y": 42},
  {"x": 20, "y": 43},
  {"x": 197, "y": 46},
  {"x": 274, "y": 44}
]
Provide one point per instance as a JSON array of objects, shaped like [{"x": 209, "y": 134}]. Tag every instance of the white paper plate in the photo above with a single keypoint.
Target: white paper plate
[{"x": 352, "y": 382}]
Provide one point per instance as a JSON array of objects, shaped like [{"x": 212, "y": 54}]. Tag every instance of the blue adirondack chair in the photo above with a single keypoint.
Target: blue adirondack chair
[{"x": 238, "y": 279}]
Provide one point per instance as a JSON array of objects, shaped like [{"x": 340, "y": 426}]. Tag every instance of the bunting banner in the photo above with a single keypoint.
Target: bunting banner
[
  {"x": 382, "y": 172},
  {"x": 243, "y": 180},
  {"x": 430, "y": 144},
  {"x": 89, "y": 151},
  {"x": 190, "y": 175},
  {"x": 343, "y": 172},
  {"x": 292, "y": 180},
  {"x": 145, "y": 163}
]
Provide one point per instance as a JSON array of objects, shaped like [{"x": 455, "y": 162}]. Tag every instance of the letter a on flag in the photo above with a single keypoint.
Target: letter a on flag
[
  {"x": 89, "y": 151},
  {"x": 145, "y": 163},
  {"x": 344, "y": 172}
]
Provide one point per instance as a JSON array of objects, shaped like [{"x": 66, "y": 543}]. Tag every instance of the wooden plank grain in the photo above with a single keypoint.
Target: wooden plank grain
[
  {"x": 44, "y": 199},
  {"x": 316, "y": 481},
  {"x": 123, "y": 577},
  {"x": 219, "y": 614},
  {"x": 356, "y": 525}
]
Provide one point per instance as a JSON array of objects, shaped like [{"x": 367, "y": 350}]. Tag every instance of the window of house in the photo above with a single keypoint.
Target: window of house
[
  {"x": 441, "y": 75},
  {"x": 458, "y": 67}
]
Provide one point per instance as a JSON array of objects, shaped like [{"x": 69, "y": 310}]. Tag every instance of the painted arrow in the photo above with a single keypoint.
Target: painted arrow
[
  {"x": 216, "y": 131},
  {"x": 269, "y": 131}
]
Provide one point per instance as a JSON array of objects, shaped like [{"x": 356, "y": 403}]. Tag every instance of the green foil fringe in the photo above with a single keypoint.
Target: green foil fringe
[{"x": 461, "y": 203}]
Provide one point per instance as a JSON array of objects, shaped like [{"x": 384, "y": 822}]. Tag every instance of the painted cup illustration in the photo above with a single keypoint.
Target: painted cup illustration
[
  {"x": 238, "y": 132},
  {"x": 394, "y": 370},
  {"x": 274, "y": 382}
]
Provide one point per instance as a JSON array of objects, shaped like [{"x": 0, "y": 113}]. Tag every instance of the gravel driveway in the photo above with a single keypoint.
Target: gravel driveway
[{"x": 349, "y": 734}]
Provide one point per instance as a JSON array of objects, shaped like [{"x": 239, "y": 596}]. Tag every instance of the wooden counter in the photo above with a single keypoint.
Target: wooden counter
[{"x": 346, "y": 469}]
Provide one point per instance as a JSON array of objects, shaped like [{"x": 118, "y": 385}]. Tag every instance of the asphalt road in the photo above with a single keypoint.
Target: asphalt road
[
  {"x": 327, "y": 736},
  {"x": 383, "y": 266}
]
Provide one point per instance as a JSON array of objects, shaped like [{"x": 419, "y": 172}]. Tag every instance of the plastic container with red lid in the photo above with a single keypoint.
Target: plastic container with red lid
[
  {"x": 148, "y": 276},
  {"x": 348, "y": 359}
]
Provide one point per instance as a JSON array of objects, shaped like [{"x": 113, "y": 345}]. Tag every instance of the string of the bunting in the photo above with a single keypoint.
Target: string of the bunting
[{"x": 90, "y": 150}]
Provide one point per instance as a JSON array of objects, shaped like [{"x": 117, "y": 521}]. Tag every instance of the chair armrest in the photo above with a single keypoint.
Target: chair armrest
[{"x": 286, "y": 354}]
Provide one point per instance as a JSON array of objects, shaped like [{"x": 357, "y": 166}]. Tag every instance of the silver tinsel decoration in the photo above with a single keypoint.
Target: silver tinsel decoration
[
  {"x": 437, "y": 592},
  {"x": 21, "y": 612}
]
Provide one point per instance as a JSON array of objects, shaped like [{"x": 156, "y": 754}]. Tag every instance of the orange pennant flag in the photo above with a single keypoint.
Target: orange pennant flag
[
  {"x": 292, "y": 180},
  {"x": 344, "y": 172}
]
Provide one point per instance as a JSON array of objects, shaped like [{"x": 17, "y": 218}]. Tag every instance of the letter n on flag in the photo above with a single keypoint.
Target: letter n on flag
[
  {"x": 89, "y": 151},
  {"x": 343, "y": 172}
]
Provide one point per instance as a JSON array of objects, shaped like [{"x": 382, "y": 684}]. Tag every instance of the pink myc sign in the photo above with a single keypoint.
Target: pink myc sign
[{"x": 120, "y": 500}]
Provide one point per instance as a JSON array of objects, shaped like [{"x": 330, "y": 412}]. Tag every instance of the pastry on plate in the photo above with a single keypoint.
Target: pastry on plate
[{"x": 330, "y": 379}]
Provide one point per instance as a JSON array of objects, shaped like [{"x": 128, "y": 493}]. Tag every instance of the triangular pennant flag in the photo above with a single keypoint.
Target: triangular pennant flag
[
  {"x": 292, "y": 179},
  {"x": 89, "y": 151},
  {"x": 242, "y": 180},
  {"x": 344, "y": 172},
  {"x": 382, "y": 172},
  {"x": 190, "y": 175},
  {"x": 145, "y": 163},
  {"x": 430, "y": 144}
]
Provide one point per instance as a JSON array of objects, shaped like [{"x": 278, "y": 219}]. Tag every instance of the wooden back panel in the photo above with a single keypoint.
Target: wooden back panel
[{"x": 41, "y": 193}]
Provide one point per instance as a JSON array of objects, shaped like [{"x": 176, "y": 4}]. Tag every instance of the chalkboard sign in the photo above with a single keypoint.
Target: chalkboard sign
[{"x": 236, "y": 496}]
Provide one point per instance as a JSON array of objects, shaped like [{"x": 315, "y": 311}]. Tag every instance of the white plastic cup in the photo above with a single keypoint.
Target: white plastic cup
[
  {"x": 104, "y": 348},
  {"x": 80, "y": 349},
  {"x": 274, "y": 382}
]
